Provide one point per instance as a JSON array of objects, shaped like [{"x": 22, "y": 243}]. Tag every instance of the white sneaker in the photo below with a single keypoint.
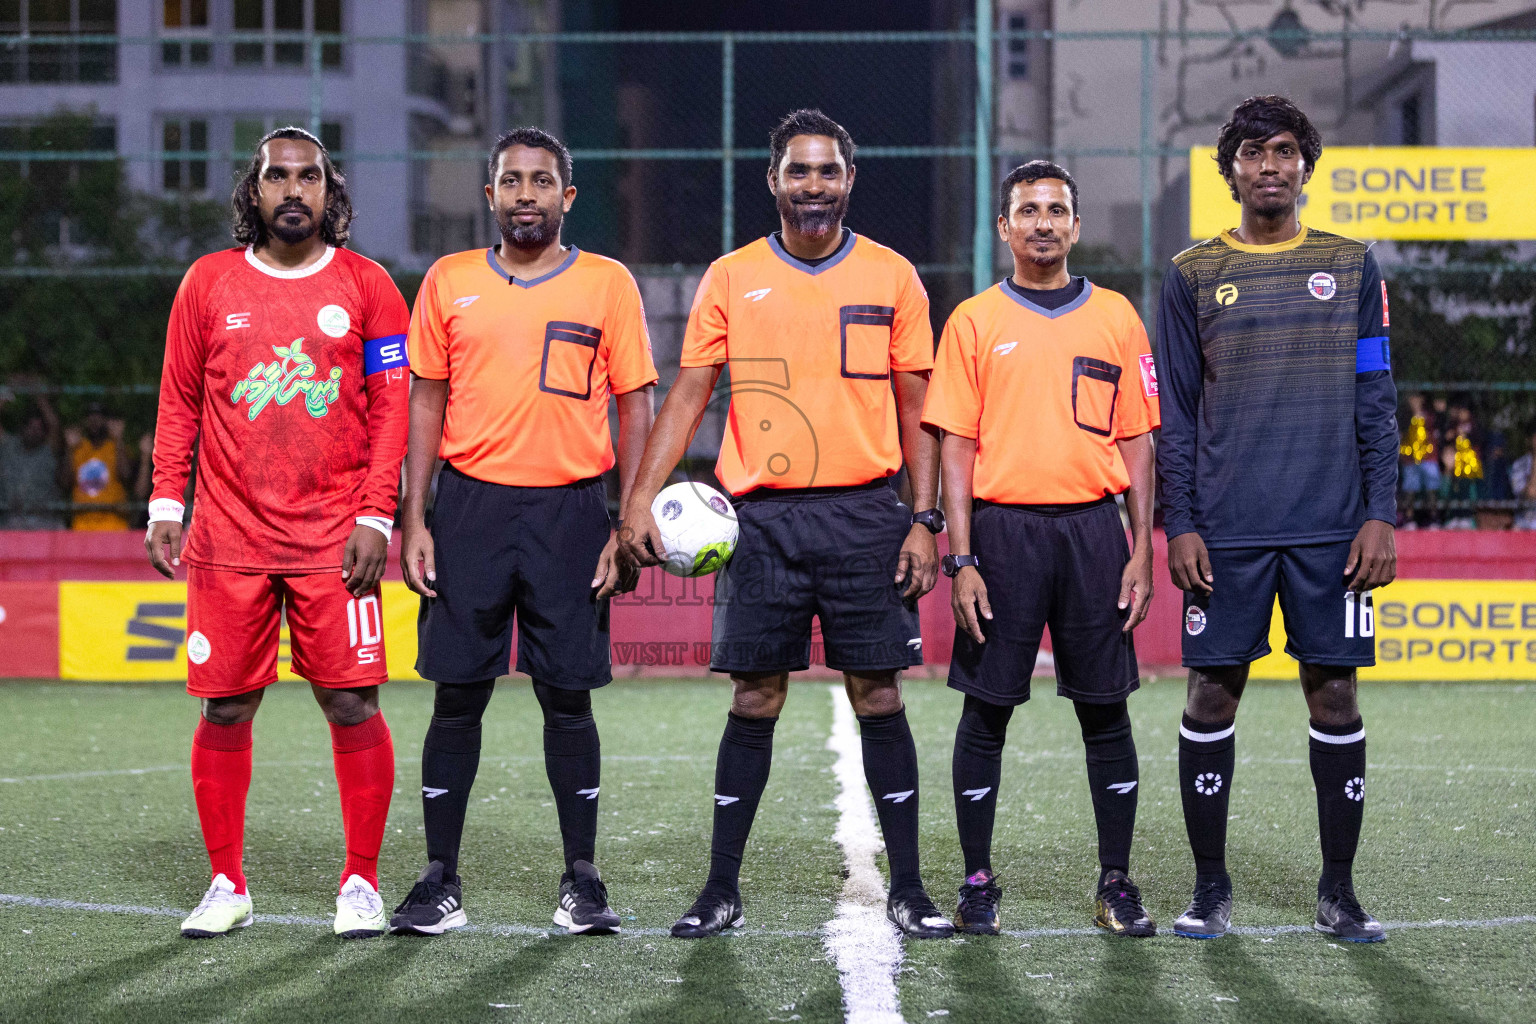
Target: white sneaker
[
  {"x": 359, "y": 911},
  {"x": 221, "y": 911}
]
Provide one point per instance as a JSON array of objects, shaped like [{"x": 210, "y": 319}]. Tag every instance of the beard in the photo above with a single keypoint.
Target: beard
[
  {"x": 812, "y": 222},
  {"x": 537, "y": 235},
  {"x": 1047, "y": 259},
  {"x": 290, "y": 234}
]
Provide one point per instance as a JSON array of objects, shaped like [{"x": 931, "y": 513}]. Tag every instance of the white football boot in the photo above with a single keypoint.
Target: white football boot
[{"x": 221, "y": 911}]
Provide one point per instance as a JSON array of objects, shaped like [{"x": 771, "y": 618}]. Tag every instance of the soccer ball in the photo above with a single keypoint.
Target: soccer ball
[{"x": 698, "y": 528}]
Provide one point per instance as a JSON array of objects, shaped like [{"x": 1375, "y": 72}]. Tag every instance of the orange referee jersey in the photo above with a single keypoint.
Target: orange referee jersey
[
  {"x": 811, "y": 350},
  {"x": 1045, "y": 393},
  {"x": 530, "y": 364}
]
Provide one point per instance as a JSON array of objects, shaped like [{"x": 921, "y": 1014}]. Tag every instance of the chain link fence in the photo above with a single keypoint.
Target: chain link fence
[{"x": 118, "y": 152}]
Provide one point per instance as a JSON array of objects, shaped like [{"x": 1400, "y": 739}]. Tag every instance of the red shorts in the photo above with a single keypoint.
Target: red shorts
[{"x": 233, "y": 619}]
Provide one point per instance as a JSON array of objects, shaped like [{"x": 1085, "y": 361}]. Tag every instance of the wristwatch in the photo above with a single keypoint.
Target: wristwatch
[
  {"x": 952, "y": 564},
  {"x": 933, "y": 519}
]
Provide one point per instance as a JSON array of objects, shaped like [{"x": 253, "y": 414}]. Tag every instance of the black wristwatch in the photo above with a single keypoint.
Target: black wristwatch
[
  {"x": 952, "y": 564},
  {"x": 933, "y": 519}
]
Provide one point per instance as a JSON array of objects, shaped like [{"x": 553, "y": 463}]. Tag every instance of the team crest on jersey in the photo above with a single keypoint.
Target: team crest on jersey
[
  {"x": 1322, "y": 286},
  {"x": 334, "y": 321},
  {"x": 286, "y": 377},
  {"x": 1194, "y": 620}
]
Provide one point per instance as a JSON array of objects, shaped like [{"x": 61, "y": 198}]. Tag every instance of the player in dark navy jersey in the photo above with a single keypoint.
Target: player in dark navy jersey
[{"x": 1278, "y": 473}]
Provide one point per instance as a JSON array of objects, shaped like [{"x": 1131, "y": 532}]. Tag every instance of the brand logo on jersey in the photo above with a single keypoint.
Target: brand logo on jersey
[
  {"x": 289, "y": 375},
  {"x": 1385, "y": 321},
  {"x": 465, "y": 302},
  {"x": 198, "y": 648},
  {"x": 1148, "y": 375},
  {"x": 334, "y": 321},
  {"x": 1322, "y": 286},
  {"x": 1005, "y": 347},
  {"x": 1194, "y": 621},
  {"x": 757, "y": 294},
  {"x": 1226, "y": 294},
  {"x": 235, "y": 321}
]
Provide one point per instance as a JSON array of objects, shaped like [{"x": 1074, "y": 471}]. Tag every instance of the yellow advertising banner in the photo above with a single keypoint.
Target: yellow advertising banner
[
  {"x": 1400, "y": 192},
  {"x": 138, "y": 631},
  {"x": 1436, "y": 629}
]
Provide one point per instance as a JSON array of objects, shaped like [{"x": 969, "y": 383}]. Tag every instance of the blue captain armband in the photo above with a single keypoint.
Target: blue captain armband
[
  {"x": 1373, "y": 354},
  {"x": 384, "y": 353}
]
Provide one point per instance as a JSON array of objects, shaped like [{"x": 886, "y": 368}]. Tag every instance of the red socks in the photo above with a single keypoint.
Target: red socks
[
  {"x": 365, "y": 777},
  {"x": 221, "y": 777}
]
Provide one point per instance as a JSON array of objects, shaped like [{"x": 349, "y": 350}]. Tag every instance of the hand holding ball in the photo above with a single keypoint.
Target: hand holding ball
[{"x": 698, "y": 527}]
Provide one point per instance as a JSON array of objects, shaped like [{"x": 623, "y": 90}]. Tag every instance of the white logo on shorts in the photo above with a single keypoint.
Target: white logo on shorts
[
  {"x": 198, "y": 648},
  {"x": 334, "y": 321}
]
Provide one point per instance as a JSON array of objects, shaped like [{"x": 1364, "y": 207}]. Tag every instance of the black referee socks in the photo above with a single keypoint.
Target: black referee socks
[
  {"x": 450, "y": 757},
  {"x": 890, "y": 768},
  {"x": 1207, "y": 754},
  {"x": 1113, "y": 777},
  {"x": 741, "y": 773},
  {"x": 573, "y": 761},
  {"x": 1338, "y": 771},
  {"x": 977, "y": 770}
]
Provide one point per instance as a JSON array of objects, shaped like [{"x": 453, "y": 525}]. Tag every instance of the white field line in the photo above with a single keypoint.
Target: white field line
[
  {"x": 154, "y": 769},
  {"x": 864, "y": 945},
  {"x": 47, "y": 903}
]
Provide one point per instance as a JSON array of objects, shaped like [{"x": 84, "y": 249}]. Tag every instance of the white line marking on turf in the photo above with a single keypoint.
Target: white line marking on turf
[{"x": 864, "y": 945}]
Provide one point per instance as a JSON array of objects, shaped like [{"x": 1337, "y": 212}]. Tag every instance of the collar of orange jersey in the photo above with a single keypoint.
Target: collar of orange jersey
[
  {"x": 1289, "y": 243},
  {"x": 1049, "y": 314},
  {"x": 837, "y": 257},
  {"x": 565, "y": 264}
]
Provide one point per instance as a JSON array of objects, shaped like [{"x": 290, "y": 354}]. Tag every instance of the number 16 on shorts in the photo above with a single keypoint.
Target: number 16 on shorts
[
  {"x": 365, "y": 628},
  {"x": 1359, "y": 615}
]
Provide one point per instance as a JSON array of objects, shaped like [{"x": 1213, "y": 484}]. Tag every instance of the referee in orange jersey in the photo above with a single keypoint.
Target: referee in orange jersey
[
  {"x": 515, "y": 351},
  {"x": 1045, "y": 390}
]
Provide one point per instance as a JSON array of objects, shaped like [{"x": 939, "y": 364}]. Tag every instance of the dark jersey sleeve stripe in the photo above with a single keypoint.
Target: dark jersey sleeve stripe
[
  {"x": 1179, "y": 374},
  {"x": 1375, "y": 398}
]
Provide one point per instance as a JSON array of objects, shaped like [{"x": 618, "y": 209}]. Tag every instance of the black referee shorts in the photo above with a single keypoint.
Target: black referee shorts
[
  {"x": 827, "y": 552},
  {"x": 1056, "y": 566},
  {"x": 530, "y": 551}
]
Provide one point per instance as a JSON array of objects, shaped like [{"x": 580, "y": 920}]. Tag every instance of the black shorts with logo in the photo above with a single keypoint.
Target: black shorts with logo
[
  {"x": 1058, "y": 566},
  {"x": 1325, "y": 623},
  {"x": 827, "y": 552},
  {"x": 525, "y": 551}
]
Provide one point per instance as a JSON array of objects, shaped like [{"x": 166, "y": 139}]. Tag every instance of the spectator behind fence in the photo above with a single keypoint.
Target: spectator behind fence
[
  {"x": 29, "y": 486},
  {"x": 1418, "y": 468},
  {"x": 1523, "y": 482},
  {"x": 1461, "y": 467},
  {"x": 96, "y": 466}
]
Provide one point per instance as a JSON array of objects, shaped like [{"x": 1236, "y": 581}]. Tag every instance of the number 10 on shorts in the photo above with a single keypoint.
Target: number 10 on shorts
[
  {"x": 365, "y": 627},
  {"x": 1359, "y": 615}
]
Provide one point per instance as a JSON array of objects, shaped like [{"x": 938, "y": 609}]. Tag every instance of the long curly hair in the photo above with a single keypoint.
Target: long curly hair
[{"x": 246, "y": 224}]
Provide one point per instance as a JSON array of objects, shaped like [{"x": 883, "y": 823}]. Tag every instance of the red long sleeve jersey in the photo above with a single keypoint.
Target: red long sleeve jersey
[{"x": 294, "y": 386}]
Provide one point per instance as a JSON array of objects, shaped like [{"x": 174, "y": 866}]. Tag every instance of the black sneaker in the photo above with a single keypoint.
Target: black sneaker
[
  {"x": 711, "y": 913},
  {"x": 1210, "y": 911},
  {"x": 435, "y": 904},
  {"x": 914, "y": 913},
  {"x": 977, "y": 912},
  {"x": 1339, "y": 914},
  {"x": 583, "y": 908},
  {"x": 1118, "y": 908}
]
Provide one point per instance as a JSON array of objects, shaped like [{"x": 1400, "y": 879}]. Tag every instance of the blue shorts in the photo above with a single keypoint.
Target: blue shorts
[{"x": 1325, "y": 623}]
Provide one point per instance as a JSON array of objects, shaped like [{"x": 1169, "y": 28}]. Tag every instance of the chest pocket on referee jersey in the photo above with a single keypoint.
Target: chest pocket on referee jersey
[
  {"x": 1095, "y": 390},
  {"x": 866, "y": 341},
  {"x": 570, "y": 349}
]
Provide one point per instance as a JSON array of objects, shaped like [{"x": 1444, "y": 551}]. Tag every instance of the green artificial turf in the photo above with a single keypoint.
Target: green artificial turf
[{"x": 1447, "y": 836}]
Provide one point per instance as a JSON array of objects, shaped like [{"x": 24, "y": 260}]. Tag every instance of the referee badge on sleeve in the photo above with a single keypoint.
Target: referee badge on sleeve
[{"x": 1148, "y": 375}]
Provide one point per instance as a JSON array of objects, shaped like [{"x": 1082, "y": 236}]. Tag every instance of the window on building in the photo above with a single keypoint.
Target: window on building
[
  {"x": 249, "y": 131},
  {"x": 181, "y": 23},
  {"x": 26, "y": 61},
  {"x": 185, "y": 173},
  {"x": 269, "y": 17},
  {"x": 64, "y": 198},
  {"x": 1018, "y": 49}
]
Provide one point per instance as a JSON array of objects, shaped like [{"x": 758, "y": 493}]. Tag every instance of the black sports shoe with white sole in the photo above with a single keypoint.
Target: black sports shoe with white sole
[
  {"x": 1210, "y": 911},
  {"x": 1339, "y": 914},
  {"x": 711, "y": 913},
  {"x": 583, "y": 908},
  {"x": 434, "y": 905},
  {"x": 914, "y": 913}
]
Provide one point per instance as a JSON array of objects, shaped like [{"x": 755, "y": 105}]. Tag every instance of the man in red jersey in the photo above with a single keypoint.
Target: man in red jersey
[{"x": 285, "y": 361}]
